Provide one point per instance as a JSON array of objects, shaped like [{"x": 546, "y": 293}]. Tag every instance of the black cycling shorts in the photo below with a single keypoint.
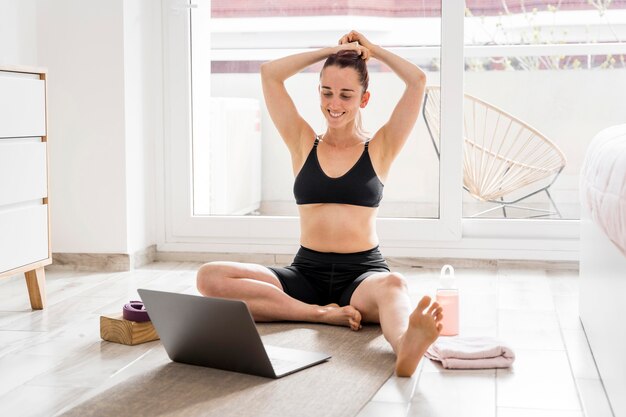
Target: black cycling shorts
[{"x": 323, "y": 278}]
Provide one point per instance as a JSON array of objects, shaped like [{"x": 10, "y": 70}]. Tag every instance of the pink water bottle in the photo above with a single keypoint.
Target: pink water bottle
[{"x": 448, "y": 299}]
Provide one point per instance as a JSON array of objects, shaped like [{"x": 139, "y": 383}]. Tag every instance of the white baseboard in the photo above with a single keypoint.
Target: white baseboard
[
  {"x": 106, "y": 262},
  {"x": 109, "y": 262}
]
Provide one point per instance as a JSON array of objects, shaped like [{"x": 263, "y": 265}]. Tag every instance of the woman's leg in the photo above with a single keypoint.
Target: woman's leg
[
  {"x": 383, "y": 298},
  {"x": 264, "y": 295}
]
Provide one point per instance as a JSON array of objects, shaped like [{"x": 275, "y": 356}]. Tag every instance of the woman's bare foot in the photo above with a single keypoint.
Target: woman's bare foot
[
  {"x": 424, "y": 328},
  {"x": 340, "y": 316}
]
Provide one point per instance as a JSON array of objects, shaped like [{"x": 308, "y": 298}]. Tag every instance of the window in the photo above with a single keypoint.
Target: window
[
  {"x": 240, "y": 164},
  {"x": 554, "y": 67},
  {"x": 228, "y": 72}
]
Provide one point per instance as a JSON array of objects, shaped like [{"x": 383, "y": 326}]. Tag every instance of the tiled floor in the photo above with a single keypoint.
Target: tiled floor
[
  {"x": 535, "y": 312},
  {"x": 56, "y": 355}
]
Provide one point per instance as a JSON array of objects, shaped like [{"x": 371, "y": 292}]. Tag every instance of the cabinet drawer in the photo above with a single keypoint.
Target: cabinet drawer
[
  {"x": 22, "y": 106},
  {"x": 23, "y": 236},
  {"x": 22, "y": 172}
]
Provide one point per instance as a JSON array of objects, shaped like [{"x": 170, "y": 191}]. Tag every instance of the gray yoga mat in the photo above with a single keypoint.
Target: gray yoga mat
[{"x": 154, "y": 386}]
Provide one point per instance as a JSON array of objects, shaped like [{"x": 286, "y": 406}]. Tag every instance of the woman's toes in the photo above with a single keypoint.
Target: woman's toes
[
  {"x": 434, "y": 306},
  {"x": 424, "y": 303}
]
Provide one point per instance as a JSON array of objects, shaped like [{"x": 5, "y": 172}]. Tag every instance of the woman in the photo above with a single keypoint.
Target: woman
[{"x": 338, "y": 276}]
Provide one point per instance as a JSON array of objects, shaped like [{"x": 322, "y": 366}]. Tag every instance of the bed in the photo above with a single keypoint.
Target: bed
[{"x": 603, "y": 259}]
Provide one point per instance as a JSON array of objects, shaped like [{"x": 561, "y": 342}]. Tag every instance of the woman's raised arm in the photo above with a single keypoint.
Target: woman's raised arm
[
  {"x": 291, "y": 126},
  {"x": 395, "y": 132}
]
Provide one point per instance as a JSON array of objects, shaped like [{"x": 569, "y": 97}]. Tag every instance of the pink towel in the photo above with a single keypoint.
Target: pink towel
[{"x": 471, "y": 353}]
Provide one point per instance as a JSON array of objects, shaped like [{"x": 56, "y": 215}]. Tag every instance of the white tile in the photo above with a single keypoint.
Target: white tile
[
  {"x": 397, "y": 390},
  {"x": 19, "y": 368},
  {"x": 477, "y": 281},
  {"x": 174, "y": 281},
  {"x": 524, "y": 294},
  {"x": 478, "y": 331},
  {"x": 528, "y": 412},
  {"x": 563, "y": 283},
  {"x": 459, "y": 393},
  {"x": 523, "y": 275},
  {"x": 61, "y": 287},
  {"x": 429, "y": 365},
  {"x": 94, "y": 365},
  {"x": 477, "y": 310},
  {"x": 530, "y": 329},
  {"x": 7, "y": 318},
  {"x": 115, "y": 306},
  {"x": 539, "y": 379},
  {"x": 57, "y": 315},
  {"x": 568, "y": 313},
  {"x": 14, "y": 297},
  {"x": 595, "y": 402},
  {"x": 377, "y": 409},
  {"x": 11, "y": 341},
  {"x": 35, "y": 401},
  {"x": 126, "y": 286},
  {"x": 580, "y": 356},
  {"x": 6, "y": 282},
  {"x": 68, "y": 340}
]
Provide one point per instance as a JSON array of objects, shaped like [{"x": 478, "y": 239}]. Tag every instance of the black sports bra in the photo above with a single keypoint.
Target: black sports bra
[{"x": 360, "y": 186}]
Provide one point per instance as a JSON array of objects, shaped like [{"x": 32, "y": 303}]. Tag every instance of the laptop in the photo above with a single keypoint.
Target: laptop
[{"x": 219, "y": 333}]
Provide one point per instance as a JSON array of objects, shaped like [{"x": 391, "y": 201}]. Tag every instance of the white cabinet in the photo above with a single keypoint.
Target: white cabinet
[{"x": 24, "y": 209}]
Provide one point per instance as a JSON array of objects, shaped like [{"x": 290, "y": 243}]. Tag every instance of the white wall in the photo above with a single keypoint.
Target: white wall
[
  {"x": 83, "y": 48},
  {"x": 104, "y": 114},
  {"x": 143, "y": 116},
  {"x": 18, "y": 39}
]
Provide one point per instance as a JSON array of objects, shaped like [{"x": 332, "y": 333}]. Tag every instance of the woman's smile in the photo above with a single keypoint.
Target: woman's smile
[{"x": 335, "y": 115}]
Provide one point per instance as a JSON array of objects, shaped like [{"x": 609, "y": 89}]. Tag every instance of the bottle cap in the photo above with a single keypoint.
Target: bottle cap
[
  {"x": 449, "y": 269},
  {"x": 447, "y": 276}
]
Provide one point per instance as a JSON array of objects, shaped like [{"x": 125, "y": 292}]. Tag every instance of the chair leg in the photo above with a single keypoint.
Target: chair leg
[
  {"x": 503, "y": 207},
  {"x": 553, "y": 204}
]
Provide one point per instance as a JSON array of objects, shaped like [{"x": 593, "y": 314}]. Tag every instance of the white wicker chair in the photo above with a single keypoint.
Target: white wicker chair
[{"x": 501, "y": 154}]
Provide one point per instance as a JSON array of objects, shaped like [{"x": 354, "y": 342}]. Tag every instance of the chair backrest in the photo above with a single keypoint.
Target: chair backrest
[{"x": 501, "y": 153}]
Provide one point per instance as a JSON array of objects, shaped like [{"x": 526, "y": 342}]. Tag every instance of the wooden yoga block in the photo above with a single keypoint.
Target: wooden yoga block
[{"x": 116, "y": 329}]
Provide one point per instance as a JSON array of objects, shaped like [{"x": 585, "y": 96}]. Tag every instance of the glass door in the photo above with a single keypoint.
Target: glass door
[{"x": 228, "y": 174}]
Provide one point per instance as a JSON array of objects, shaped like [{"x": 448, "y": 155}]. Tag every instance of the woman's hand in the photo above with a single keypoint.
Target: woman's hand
[
  {"x": 356, "y": 37},
  {"x": 354, "y": 41}
]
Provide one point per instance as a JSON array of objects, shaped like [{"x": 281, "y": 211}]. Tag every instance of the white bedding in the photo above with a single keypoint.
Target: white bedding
[{"x": 603, "y": 183}]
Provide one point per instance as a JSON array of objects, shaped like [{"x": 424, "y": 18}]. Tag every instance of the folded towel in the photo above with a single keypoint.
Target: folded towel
[{"x": 471, "y": 353}]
